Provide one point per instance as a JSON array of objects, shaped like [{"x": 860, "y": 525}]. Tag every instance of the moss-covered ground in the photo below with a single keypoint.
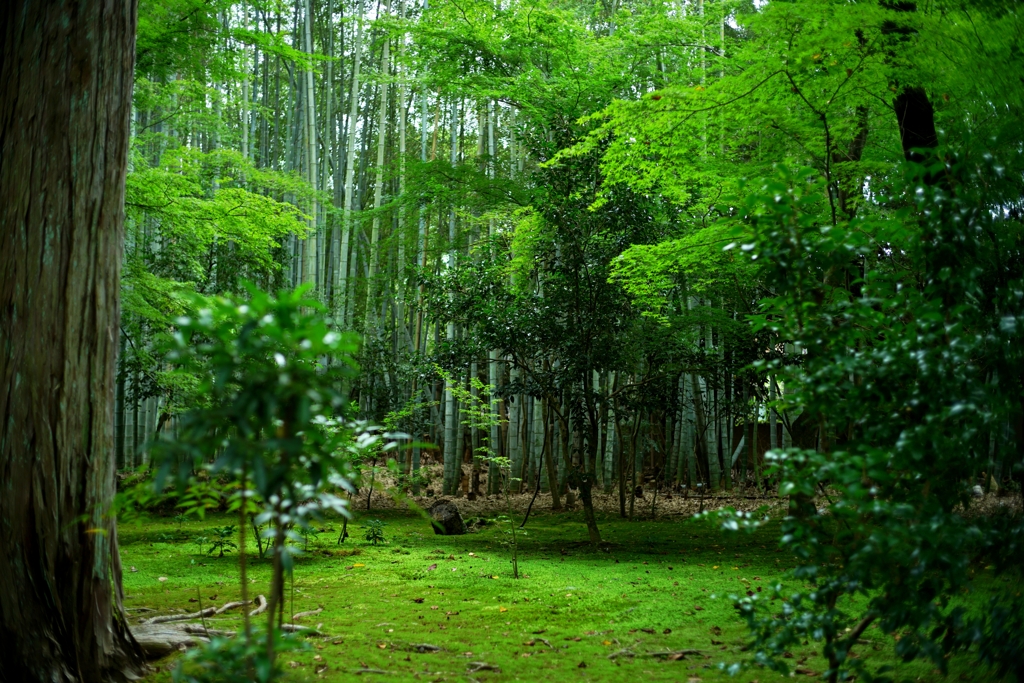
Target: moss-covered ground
[{"x": 577, "y": 614}]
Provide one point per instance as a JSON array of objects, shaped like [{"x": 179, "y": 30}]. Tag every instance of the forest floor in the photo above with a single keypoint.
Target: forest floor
[{"x": 653, "y": 589}]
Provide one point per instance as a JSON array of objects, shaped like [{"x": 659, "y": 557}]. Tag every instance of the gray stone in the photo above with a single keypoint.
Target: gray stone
[{"x": 447, "y": 519}]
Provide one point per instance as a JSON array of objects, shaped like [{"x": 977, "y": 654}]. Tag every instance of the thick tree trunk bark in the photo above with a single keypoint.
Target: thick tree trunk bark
[{"x": 65, "y": 95}]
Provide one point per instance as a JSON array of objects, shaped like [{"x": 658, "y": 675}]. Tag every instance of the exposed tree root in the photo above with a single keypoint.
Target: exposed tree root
[
  {"x": 424, "y": 647},
  {"x": 158, "y": 641},
  {"x": 231, "y": 605},
  {"x": 304, "y": 630},
  {"x": 673, "y": 654},
  {"x": 307, "y": 614},
  {"x": 167, "y": 618},
  {"x": 262, "y": 606},
  {"x": 200, "y": 630},
  {"x": 160, "y": 636}
]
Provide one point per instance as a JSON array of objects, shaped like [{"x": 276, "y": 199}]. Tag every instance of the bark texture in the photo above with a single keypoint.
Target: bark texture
[{"x": 65, "y": 96}]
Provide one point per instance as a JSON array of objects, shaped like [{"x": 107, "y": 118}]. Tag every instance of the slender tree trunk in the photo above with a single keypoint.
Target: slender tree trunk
[
  {"x": 309, "y": 260},
  {"x": 341, "y": 284},
  {"x": 493, "y": 373},
  {"x": 378, "y": 192},
  {"x": 65, "y": 100},
  {"x": 773, "y": 420},
  {"x": 324, "y": 277},
  {"x": 245, "y": 87},
  {"x": 515, "y": 453},
  {"x": 452, "y": 451},
  {"x": 402, "y": 141},
  {"x": 549, "y": 454}
]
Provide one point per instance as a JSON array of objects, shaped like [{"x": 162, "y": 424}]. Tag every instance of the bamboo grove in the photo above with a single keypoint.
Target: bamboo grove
[{"x": 527, "y": 194}]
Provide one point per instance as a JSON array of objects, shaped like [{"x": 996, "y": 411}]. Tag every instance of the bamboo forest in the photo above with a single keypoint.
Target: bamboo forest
[{"x": 511, "y": 340}]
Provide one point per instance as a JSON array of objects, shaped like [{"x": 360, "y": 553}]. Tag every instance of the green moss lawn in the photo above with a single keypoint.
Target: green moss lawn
[{"x": 621, "y": 613}]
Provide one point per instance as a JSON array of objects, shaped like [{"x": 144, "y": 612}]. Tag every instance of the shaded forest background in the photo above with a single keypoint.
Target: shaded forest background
[{"x": 535, "y": 195}]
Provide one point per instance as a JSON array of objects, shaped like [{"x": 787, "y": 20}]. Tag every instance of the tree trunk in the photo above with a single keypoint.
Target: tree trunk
[
  {"x": 341, "y": 286},
  {"x": 378, "y": 192},
  {"x": 309, "y": 262},
  {"x": 65, "y": 96}
]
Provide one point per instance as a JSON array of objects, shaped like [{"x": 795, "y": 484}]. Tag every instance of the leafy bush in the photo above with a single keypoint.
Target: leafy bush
[
  {"x": 374, "y": 531},
  {"x": 267, "y": 424},
  {"x": 223, "y": 539},
  {"x": 235, "y": 660},
  {"x": 908, "y": 372}
]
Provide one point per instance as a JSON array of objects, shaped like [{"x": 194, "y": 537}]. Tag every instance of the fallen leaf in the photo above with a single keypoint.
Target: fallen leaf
[
  {"x": 606, "y": 642},
  {"x": 503, "y": 609},
  {"x": 317, "y": 657},
  {"x": 418, "y": 600},
  {"x": 432, "y": 567},
  {"x": 134, "y": 569},
  {"x": 715, "y": 567},
  {"x": 357, "y": 564},
  {"x": 716, "y": 631},
  {"x": 698, "y": 608},
  {"x": 581, "y": 665},
  {"x": 805, "y": 671},
  {"x": 494, "y": 577},
  {"x": 293, "y": 664},
  {"x": 321, "y": 668},
  {"x": 433, "y": 607},
  {"x": 161, "y": 579},
  {"x": 647, "y": 630},
  {"x": 382, "y": 646},
  {"x": 667, "y": 631}
]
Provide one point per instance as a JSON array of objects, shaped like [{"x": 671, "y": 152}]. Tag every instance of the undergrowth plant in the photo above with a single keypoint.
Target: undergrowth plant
[
  {"x": 374, "y": 529},
  {"x": 222, "y": 539},
  {"x": 269, "y": 414}
]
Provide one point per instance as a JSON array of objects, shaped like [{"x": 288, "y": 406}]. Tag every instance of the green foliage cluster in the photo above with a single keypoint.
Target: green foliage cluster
[
  {"x": 374, "y": 531},
  {"x": 236, "y": 660},
  {"x": 910, "y": 378},
  {"x": 884, "y": 297},
  {"x": 269, "y": 413}
]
